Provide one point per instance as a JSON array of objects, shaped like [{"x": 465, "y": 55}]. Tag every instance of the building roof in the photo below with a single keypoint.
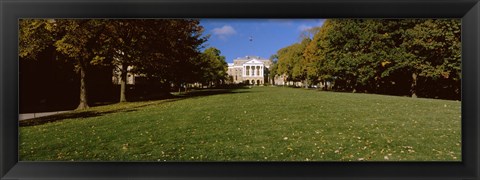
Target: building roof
[
  {"x": 254, "y": 61},
  {"x": 250, "y": 58}
]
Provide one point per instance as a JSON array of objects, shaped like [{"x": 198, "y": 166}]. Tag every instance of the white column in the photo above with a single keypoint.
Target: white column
[
  {"x": 244, "y": 71},
  {"x": 261, "y": 70}
]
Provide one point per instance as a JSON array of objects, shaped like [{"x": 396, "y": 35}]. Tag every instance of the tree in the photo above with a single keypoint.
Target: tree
[
  {"x": 300, "y": 69},
  {"x": 309, "y": 33},
  {"x": 320, "y": 54},
  {"x": 81, "y": 43},
  {"x": 165, "y": 50},
  {"x": 375, "y": 55},
  {"x": 213, "y": 66},
  {"x": 172, "y": 51},
  {"x": 77, "y": 40},
  {"x": 290, "y": 61},
  {"x": 434, "y": 48},
  {"x": 272, "y": 72},
  {"x": 348, "y": 43},
  {"x": 187, "y": 40},
  {"x": 162, "y": 49},
  {"x": 127, "y": 40},
  {"x": 35, "y": 36}
]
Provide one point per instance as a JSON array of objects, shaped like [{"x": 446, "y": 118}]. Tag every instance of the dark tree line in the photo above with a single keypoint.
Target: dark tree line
[
  {"x": 415, "y": 57},
  {"x": 165, "y": 51}
]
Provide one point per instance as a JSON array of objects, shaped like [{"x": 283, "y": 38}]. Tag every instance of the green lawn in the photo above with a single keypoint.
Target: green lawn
[{"x": 257, "y": 124}]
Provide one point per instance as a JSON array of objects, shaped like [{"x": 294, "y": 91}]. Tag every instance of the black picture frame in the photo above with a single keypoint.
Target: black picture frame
[{"x": 12, "y": 10}]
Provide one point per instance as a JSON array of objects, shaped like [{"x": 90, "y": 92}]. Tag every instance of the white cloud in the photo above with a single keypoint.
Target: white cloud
[
  {"x": 304, "y": 27},
  {"x": 320, "y": 22},
  {"x": 224, "y": 32},
  {"x": 316, "y": 23}
]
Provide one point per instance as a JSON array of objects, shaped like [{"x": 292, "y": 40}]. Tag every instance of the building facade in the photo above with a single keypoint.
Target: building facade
[
  {"x": 249, "y": 70},
  {"x": 132, "y": 78}
]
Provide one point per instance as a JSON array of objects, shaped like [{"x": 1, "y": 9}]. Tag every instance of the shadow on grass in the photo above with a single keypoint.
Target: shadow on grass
[
  {"x": 69, "y": 115},
  {"x": 208, "y": 92},
  {"x": 94, "y": 113}
]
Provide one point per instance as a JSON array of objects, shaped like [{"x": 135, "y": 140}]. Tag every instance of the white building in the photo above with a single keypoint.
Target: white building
[
  {"x": 132, "y": 78},
  {"x": 249, "y": 70}
]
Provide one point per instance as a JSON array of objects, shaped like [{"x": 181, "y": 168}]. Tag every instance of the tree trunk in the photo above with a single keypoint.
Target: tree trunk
[
  {"x": 123, "y": 83},
  {"x": 83, "y": 89},
  {"x": 413, "y": 89}
]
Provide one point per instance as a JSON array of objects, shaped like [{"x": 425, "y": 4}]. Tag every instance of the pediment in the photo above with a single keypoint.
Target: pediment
[{"x": 254, "y": 61}]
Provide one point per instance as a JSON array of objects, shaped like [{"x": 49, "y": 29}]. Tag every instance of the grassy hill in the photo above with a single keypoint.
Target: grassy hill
[{"x": 257, "y": 124}]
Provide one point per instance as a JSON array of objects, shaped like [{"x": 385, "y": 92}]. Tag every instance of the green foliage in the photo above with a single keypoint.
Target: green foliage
[
  {"x": 262, "y": 125},
  {"x": 175, "y": 49},
  {"x": 435, "y": 43},
  {"x": 273, "y": 71},
  {"x": 213, "y": 66},
  {"x": 34, "y": 36},
  {"x": 156, "y": 48},
  {"x": 375, "y": 55},
  {"x": 318, "y": 53},
  {"x": 80, "y": 40},
  {"x": 291, "y": 61}
]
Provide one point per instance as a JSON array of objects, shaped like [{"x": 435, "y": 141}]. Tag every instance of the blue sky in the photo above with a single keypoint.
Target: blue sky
[{"x": 232, "y": 36}]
